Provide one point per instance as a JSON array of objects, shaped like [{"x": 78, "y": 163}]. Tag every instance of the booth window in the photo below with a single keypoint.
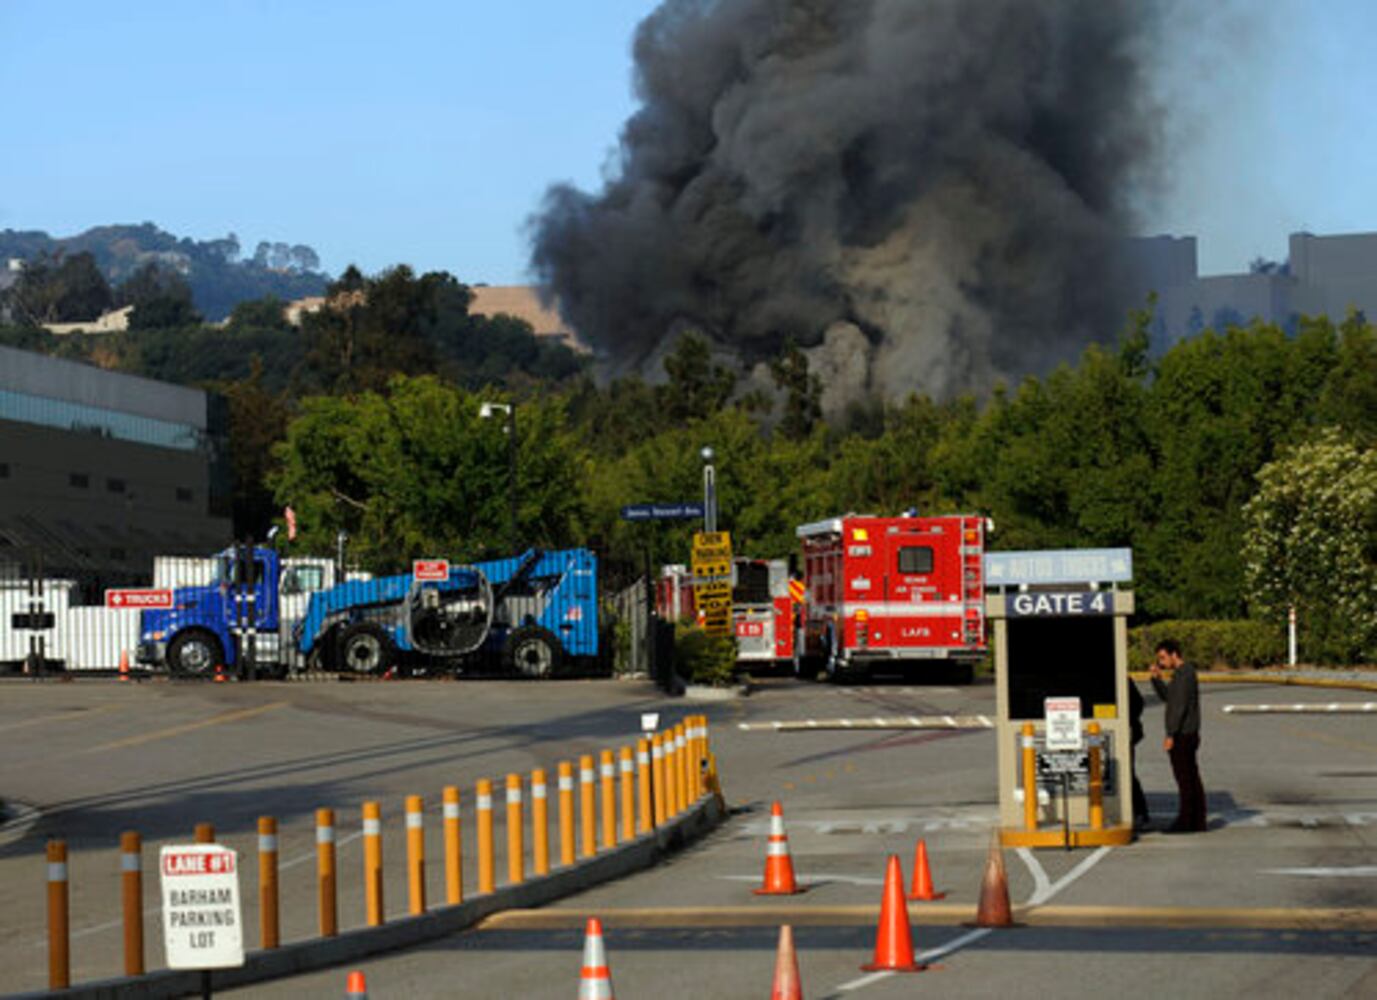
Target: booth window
[
  {"x": 1060, "y": 658},
  {"x": 915, "y": 560}
]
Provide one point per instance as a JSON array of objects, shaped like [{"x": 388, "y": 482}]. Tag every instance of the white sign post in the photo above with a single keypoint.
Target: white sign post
[
  {"x": 202, "y": 918},
  {"x": 1063, "y": 720}
]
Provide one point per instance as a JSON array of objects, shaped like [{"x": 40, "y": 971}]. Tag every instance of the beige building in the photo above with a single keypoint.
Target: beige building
[
  {"x": 523, "y": 302},
  {"x": 115, "y": 321}
]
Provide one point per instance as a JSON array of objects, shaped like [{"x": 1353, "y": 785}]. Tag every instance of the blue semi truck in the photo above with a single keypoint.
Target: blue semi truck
[{"x": 537, "y": 612}]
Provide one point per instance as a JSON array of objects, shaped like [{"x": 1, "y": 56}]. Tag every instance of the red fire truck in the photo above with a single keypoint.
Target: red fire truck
[
  {"x": 889, "y": 591},
  {"x": 762, "y": 608}
]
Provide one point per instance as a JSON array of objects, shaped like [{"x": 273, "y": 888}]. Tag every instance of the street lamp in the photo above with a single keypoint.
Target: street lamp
[
  {"x": 709, "y": 491},
  {"x": 487, "y": 411}
]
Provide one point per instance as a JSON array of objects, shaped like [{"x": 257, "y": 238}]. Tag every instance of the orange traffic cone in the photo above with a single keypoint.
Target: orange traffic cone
[
  {"x": 893, "y": 938},
  {"x": 219, "y": 674},
  {"x": 922, "y": 876},
  {"x": 779, "y": 866},
  {"x": 124, "y": 665},
  {"x": 787, "y": 984},
  {"x": 595, "y": 981},
  {"x": 994, "y": 909},
  {"x": 356, "y": 987}
]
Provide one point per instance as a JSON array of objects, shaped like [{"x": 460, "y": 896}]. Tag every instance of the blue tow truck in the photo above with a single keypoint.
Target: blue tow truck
[{"x": 537, "y": 612}]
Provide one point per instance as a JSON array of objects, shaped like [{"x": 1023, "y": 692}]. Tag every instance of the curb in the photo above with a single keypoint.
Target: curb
[
  {"x": 702, "y": 692},
  {"x": 1257, "y": 677},
  {"x": 351, "y": 946}
]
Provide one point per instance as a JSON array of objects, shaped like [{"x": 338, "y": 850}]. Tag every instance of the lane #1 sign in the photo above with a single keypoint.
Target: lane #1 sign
[{"x": 202, "y": 919}]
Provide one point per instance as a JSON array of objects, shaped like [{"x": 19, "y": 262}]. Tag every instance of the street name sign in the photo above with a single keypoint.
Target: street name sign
[
  {"x": 430, "y": 570},
  {"x": 202, "y": 917},
  {"x": 142, "y": 598},
  {"x": 687, "y": 511},
  {"x": 1062, "y": 717},
  {"x": 1054, "y": 566}
]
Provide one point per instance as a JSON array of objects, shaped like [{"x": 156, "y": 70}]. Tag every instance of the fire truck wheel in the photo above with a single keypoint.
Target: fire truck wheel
[
  {"x": 532, "y": 651},
  {"x": 194, "y": 653},
  {"x": 365, "y": 649}
]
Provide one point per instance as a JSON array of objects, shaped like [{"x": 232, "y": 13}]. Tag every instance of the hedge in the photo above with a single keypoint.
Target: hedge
[
  {"x": 1211, "y": 644},
  {"x": 702, "y": 658}
]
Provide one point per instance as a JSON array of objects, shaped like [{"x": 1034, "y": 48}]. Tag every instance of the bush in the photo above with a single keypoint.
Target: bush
[
  {"x": 703, "y": 658},
  {"x": 1211, "y": 644}
]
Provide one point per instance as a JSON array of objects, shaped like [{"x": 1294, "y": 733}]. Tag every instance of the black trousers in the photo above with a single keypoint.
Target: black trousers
[
  {"x": 1140, "y": 805},
  {"x": 1190, "y": 813}
]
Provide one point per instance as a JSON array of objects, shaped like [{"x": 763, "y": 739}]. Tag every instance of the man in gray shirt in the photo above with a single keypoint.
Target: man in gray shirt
[{"x": 1182, "y": 697}]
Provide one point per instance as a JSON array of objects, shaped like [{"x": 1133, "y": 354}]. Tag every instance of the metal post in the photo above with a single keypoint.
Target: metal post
[
  {"x": 709, "y": 491},
  {"x": 511, "y": 475},
  {"x": 1291, "y": 635}
]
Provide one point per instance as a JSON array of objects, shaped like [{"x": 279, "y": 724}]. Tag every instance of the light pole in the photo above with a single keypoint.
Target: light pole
[
  {"x": 709, "y": 491},
  {"x": 486, "y": 411}
]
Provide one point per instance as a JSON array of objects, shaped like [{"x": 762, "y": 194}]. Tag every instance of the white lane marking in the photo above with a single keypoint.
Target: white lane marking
[
  {"x": 1041, "y": 883},
  {"x": 1304, "y": 708},
  {"x": 150, "y": 911},
  {"x": 1357, "y": 871},
  {"x": 816, "y": 879},
  {"x": 1040, "y": 895}
]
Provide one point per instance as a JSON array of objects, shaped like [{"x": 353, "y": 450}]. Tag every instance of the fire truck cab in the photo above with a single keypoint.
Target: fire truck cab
[{"x": 893, "y": 592}]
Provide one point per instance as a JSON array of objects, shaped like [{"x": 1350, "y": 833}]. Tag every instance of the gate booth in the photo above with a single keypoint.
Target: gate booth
[{"x": 1061, "y": 672}]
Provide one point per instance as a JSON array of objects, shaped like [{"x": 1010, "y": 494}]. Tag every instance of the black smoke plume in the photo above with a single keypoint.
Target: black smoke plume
[{"x": 939, "y": 186}]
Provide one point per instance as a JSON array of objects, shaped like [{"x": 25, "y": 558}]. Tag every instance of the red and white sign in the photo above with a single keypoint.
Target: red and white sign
[
  {"x": 430, "y": 569},
  {"x": 160, "y": 598},
  {"x": 1063, "y": 722},
  {"x": 202, "y": 917},
  {"x": 750, "y": 630}
]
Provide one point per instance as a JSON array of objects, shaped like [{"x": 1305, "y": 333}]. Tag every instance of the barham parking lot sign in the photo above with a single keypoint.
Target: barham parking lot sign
[{"x": 202, "y": 919}]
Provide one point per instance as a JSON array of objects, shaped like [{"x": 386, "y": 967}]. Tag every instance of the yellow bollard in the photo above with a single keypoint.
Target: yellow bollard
[
  {"x": 59, "y": 928},
  {"x": 454, "y": 858},
  {"x": 516, "y": 848},
  {"x": 131, "y": 884},
  {"x": 487, "y": 866},
  {"x": 1030, "y": 779},
  {"x": 659, "y": 793},
  {"x": 671, "y": 776},
  {"x": 608, "y": 767},
  {"x": 327, "y": 905},
  {"x": 415, "y": 855},
  {"x": 372, "y": 863},
  {"x": 587, "y": 806},
  {"x": 681, "y": 747},
  {"x": 269, "y": 935},
  {"x": 627, "y": 763},
  {"x": 540, "y": 823},
  {"x": 646, "y": 815},
  {"x": 1096, "y": 778},
  {"x": 205, "y": 833},
  {"x": 566, "y": 813}
]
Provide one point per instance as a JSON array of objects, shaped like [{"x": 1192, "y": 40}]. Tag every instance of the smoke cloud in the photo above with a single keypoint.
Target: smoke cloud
[{"x": 937, "y": 186}]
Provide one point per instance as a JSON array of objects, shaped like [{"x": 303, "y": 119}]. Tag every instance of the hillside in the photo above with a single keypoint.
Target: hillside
[{"x": 219, "y": 276}]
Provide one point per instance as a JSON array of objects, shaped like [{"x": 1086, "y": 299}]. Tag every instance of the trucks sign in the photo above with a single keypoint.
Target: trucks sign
[
  {"x": 202, "y": 918},
  {"x": 430, "y": 570},
  {"x": 158, "y": 598},
  {"x": 1056, "y": 566}
]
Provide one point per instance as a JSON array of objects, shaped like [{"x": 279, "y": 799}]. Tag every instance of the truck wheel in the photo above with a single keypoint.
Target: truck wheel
[
  {"x": 194, "y": 653},
  {"x": 365, "y": 649},
  {"x": 532, "y": 652}
]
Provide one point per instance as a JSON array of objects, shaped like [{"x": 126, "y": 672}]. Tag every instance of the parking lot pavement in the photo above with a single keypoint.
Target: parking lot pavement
[{"x": 1293, "y": 803}]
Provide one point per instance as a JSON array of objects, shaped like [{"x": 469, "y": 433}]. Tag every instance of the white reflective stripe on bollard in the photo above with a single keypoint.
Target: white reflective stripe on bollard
[
  {"x": 609, "y": 771},
  {"x": 566, "y": 783},
  {"x": 513, "y": 796},
  {"x": 485, "y": 802},
  {"x": 57, "y": 871},
  {"x": 326, "y": 834},
  {"x": 131, "y": 863},
  {"x": 372, "y": 827},
  {"x": 537, "y": 791},
  {"x": 415, "y": 821},
  {"x": 451, "y": 810},
  {"x": 267, "y": 842}
]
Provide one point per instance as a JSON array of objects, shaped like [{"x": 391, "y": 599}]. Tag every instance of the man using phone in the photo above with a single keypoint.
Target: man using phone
[{"x": 1182, "y": 697}]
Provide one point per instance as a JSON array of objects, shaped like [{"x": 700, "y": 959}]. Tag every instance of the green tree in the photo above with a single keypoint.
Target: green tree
[
  {"x": 697, "y": 385},
  {"x": 161, "y": 299},
  {"x": 802, "y": 392},
  {"x": 60, "y": 290},
  {"x": 414, "y": 471},
  {"x": 1311, "y": 543},
  {"x": 267, "y": 313}
]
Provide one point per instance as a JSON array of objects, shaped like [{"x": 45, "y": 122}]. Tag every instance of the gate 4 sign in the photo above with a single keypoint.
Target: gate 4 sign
[
  {"x": 202, "y": 919},
  {"x": 1063, "y": 720},
  {"x": 1049, "y": 604}
]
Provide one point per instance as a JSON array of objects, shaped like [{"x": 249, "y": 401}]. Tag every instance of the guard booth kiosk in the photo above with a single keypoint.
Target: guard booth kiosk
[{"x": 1061, "y": 670}]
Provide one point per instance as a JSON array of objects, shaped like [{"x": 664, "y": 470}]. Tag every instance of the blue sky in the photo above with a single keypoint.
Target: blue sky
[{"x": 425, "y": 131}]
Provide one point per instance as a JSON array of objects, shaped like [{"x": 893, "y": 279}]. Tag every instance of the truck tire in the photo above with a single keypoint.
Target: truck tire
[
  {"x": 194, "y": 653},
  {"x": 365, "y": 649},
  {"x": 533, "y": 652}
]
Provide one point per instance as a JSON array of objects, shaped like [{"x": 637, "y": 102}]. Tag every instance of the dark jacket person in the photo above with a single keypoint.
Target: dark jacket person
[
  {"x": 1135, "y": 722},
  {"x": 1182, "y": 697}
]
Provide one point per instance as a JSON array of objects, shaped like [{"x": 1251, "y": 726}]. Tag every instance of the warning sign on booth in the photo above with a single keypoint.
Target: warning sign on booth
[
  {"x": 202, "y": 918},
  {"x": 1063, "y": 721}
]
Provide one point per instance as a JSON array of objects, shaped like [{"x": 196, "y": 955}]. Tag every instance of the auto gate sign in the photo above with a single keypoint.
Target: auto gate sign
[
  {"x": 159, "y": 598},
  {"x": 202, "y": 920}
]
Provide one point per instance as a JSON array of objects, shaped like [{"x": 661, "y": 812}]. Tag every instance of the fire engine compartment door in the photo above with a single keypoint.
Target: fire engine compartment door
[
  {"x": 921, "y": 588},
  {"x": 755, "y": 632}
]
